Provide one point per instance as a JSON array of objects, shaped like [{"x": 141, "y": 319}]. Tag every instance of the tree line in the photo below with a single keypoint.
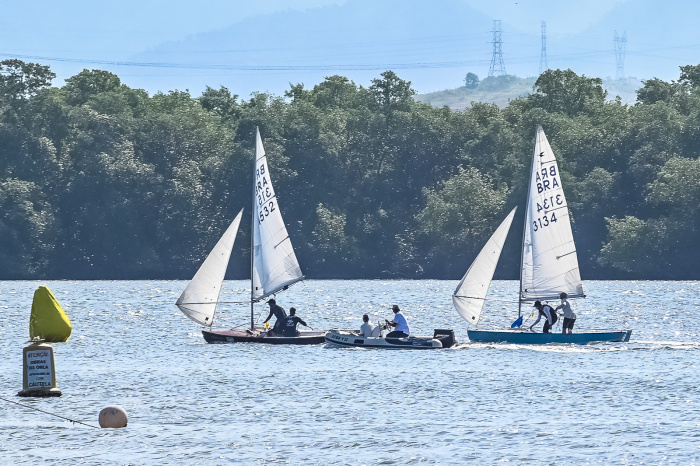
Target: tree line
[{"x": 99, "y": 180}]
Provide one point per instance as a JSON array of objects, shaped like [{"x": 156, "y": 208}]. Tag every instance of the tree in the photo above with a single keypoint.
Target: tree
[
  {"x": 690, "y": 74},
  {"x": 635, "y": 245},
  {"x": 392, "y": 93},
  {"x": 19, "y": 81},
  {"x": 566, "y": 92},
  {"x": 677, "y": 186},
  {"x": 655, "y": 90},
  {"x": 81, "y": 87},
  {"x": 460, "y": 214},
  {"x": 26, "y": 230},
  {"x": 471, "y": 81},
  {"x": 335, "y": 92},
  {"x": 221, "y": 102}
]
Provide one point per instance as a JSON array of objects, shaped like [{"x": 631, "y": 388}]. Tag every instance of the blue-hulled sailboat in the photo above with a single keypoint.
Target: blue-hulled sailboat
[{"x": 549, "y": 264}]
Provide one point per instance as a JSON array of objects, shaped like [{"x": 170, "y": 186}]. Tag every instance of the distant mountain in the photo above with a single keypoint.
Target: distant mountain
[{"x": 432, "y": 44}]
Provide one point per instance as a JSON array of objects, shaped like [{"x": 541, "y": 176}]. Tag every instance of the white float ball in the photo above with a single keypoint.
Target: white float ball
[{"x": 113, "y": 417}]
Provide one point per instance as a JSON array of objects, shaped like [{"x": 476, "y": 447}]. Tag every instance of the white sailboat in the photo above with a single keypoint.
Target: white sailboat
[
  {"x": 274, "y": 266},
  {"x": 549, "y": 264}
]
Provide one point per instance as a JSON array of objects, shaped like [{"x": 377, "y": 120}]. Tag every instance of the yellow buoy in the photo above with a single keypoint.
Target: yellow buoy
[{"x": 48, "y": 322}]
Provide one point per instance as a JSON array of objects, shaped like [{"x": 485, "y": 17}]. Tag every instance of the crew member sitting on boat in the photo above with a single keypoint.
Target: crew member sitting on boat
[
  {"x": 399, "y": 323},
  {"x": 279, "y": 314},
  {"x": 547, "y": 311},
  {"x": 569, "y": 316},
  {"x": 366, "y": 328},
  {"x": 288, "y": 327}
]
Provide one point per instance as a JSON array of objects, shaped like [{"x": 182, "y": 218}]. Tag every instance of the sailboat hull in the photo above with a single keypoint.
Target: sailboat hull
[
  {"x": 520, "y": 337},
  {"x": 255, "y": 336}
]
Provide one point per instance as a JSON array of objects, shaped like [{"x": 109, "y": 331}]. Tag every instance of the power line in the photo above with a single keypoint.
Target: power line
[{"x": 241, "y": 67}]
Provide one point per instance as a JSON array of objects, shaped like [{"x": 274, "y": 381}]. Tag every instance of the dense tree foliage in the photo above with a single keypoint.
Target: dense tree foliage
[{"x": 98, "y": 180}]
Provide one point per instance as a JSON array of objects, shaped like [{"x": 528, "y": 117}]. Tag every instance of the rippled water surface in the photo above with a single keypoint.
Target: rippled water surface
[{"x": 191, "y": 402}]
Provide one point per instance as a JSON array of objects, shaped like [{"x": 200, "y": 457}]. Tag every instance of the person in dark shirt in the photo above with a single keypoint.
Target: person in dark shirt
[
  {"x": 288, "y": 327},
  {"x": 548, "y": 313},
  {"x": 279, "y": 314}
]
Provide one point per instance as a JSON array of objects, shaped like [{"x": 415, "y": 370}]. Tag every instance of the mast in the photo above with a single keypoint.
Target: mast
[
  {"x": 527, "y": 211},
  {"x": 252, "y": 238}
]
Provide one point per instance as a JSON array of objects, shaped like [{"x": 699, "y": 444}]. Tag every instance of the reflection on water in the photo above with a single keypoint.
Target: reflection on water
[{"x": 191, "y": 402}]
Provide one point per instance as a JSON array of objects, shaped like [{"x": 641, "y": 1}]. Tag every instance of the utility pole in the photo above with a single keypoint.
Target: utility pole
[
  {"x": 543, "y": 53},
  {"x": 620, "y": 49},
  {"x": 497, "y": 68}
]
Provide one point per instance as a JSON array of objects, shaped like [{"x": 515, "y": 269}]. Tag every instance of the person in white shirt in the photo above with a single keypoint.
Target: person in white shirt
[
  {"x": 399, "y": 323},
  {"x": 569, "y": 316},
  {"x": 366, "y": 328}
]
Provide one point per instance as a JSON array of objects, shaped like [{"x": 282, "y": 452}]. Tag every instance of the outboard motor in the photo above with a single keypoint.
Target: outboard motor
[{"x": 445, "y": 336}]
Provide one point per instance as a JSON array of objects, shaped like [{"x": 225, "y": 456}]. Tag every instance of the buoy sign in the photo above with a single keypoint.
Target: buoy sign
[{"x": 39, "y": 369}]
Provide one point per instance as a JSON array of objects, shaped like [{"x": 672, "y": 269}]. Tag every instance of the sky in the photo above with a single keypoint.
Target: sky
[{"x": 75, "y": 34}]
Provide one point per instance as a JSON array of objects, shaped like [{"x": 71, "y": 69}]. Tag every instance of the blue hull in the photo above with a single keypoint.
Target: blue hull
[{"x": 527, "y": 338}]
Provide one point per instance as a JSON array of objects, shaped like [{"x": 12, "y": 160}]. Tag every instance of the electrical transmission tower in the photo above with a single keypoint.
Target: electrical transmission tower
[
  {"x": 620, "y": 48},
  {"x": 543, "y": 54},
  {"x": 497, "y": 68}
]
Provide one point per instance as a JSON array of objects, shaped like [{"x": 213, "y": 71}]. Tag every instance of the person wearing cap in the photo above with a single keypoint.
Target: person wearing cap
[
  {"x": 278, "y": 312},
  {"x": 547, "y": 311},
  {"x": 399, "y": 323},
  {"x": 288, "y": 327},
  {"x": 569, "y": 316}
]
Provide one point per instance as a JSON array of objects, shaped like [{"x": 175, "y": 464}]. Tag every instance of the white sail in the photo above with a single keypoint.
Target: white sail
[
  {"x": 275, "y": 265},
  {"x": 549, "y": 260},
  {"x": 199, "y": 299},
  {"x": 471, "y": 292}
]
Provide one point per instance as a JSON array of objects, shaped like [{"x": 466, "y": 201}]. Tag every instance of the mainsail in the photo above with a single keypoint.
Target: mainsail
[
  {"x": 199, "y": 299},
  {"x": 471, "y": 292},
  {"x": 549, "y": 261},
  {"x": 275, "y": 265}
]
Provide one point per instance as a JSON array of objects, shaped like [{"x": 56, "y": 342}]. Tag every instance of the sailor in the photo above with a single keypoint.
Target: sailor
[
  {"x": 569, "y": 316},
  {"x": 288, "y": 327},
  {"x": 547, "y": 311},
  {"x": 279, "y": 314},
  {"x": 399, "y": 323},
  {"x": 366, "y": 328}
]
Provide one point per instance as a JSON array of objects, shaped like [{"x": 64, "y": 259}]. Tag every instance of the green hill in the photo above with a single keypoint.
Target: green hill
[{"x": 501, "y": 89}]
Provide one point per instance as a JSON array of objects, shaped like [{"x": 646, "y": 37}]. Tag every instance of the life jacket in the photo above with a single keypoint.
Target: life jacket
[{"x": 552, "y": 313}]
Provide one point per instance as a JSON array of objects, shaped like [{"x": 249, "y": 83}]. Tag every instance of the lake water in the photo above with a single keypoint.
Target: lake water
[{"x": 194, "y": 403}]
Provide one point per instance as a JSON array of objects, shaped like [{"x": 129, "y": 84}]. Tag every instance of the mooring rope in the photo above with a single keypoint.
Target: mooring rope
[{"x": 46, "y": 412}]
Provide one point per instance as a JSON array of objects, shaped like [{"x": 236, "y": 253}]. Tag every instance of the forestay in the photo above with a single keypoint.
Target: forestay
[
  {"x": 471, "y": 292},
  {"x": 199, "y": 299},
  {"x": 549, "y": 261},
  {"x": 275, "y": 265}
]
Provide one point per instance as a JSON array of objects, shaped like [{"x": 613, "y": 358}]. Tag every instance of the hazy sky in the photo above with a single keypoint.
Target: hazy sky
[
  {"x": 70, "y": 35},
  {"x": 117, "y": 29},
  {"x": 562, "y": 16}
]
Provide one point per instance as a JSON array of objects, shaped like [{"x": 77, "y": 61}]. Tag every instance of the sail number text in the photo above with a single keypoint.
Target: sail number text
[
  {"x": 263, "y": 193},
  {"x": 544, "y": 221},
  {"x": 546, "y": 179}
]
